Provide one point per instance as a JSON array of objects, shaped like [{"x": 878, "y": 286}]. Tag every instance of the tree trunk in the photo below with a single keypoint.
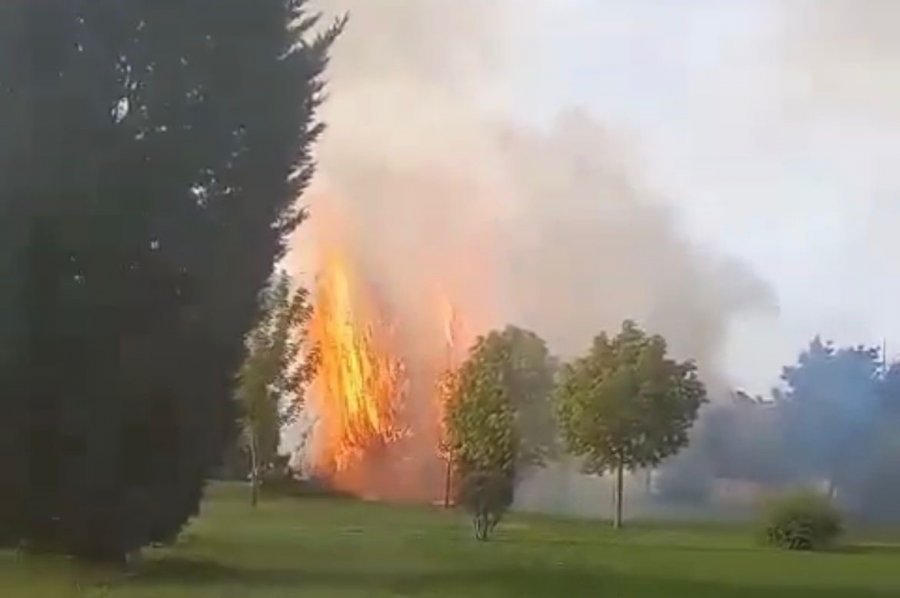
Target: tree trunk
[
  {"x": 254, "y": 470},
  {"x": 617, "y": 519},
  {"x": 448, "y": 481},
  {"x": 480, "y": 523}
]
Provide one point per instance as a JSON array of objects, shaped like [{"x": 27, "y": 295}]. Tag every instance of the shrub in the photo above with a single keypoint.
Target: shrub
[
  {"x": 487, "y": 496},
  {"x": 802, "y": 521}
]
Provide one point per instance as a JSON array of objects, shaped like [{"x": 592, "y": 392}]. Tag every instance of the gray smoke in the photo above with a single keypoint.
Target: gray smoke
[
  {"x": 429, "y": 162},
  {"x": 546, "y": 225}
]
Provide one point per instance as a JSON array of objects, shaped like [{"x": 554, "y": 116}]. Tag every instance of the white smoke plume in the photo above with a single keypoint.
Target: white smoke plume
[
  {"x": 547, "y": 226},
  {"x": 550, "y": 226}
]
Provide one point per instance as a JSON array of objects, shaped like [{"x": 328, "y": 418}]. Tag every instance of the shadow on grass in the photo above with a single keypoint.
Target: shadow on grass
[{"x": 518, "y": 581}]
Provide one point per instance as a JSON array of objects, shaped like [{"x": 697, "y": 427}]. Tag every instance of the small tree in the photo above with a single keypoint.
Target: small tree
[
  {"x": 273, "y": 377},
  {"x": 626, "y": 406},
  {"x": 495, "y": 407}
]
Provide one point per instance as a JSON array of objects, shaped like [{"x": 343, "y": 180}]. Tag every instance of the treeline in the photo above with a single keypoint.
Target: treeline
[
  {"x": 151, "y": 157},
  {"x": 833, "y": 423},
  {"x": 625, "y": 405}
]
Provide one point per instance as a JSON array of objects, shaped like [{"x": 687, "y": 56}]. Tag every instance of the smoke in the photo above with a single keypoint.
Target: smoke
[
  {"x": 549, "y": 225},
  {"x": 441, "y": 188},
  {"x": 840, "y": 57}
]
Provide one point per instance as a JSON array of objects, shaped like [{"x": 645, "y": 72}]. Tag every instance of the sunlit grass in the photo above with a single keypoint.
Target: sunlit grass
[{"x": 326, "y": 547}]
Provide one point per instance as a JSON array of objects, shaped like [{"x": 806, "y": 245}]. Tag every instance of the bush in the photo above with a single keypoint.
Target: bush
[
  {"x": 802, "y": 521},
  {"x": 487, "y": 496}
]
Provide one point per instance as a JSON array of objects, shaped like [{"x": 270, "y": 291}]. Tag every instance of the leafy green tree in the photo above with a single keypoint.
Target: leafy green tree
[
  {"x": 498, "y": 420},
  {"x": 272, "y": 380},
  {"x": 150, "y": 163},
  {"x": 626, "y": 405}
]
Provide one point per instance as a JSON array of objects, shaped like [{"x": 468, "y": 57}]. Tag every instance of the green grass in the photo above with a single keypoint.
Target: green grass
[{"x": 335, "y": 548}]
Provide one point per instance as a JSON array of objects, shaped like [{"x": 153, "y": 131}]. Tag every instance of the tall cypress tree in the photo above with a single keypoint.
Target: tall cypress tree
[{"x": 147, "y": 186}]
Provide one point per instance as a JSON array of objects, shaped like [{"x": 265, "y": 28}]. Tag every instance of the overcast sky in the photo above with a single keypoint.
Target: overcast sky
[{"x": 772, "y": 126}]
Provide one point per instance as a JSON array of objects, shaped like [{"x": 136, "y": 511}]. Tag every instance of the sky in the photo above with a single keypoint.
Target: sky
[
  {"x": 771, "y": 126},
  {"x": 770, "y": 130}
]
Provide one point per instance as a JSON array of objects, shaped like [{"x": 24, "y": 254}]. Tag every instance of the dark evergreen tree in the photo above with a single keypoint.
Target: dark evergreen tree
[{"x": 151, "y": 159}]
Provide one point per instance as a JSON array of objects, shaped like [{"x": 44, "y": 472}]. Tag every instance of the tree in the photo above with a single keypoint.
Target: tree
[
  {"x": 829, "y": 410},
  {"x": 879, "y": 492},
  {"x": 498, "y": 420},
  {"x": 151, "y": 160},
  {"x": 447, "y": 385},
  {"x": 626, "y": 406},
  {"x": 487, "y": 495},
  {"x": 272, "y": 380}
]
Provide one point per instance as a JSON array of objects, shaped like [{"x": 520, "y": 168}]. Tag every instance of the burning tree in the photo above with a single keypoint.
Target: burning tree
[
  {"x": 150, "y": 163},
  {"x": 359, "y": 383},
  {"x": 498, "y": 420},
  {"x": 626, "y": 406}
]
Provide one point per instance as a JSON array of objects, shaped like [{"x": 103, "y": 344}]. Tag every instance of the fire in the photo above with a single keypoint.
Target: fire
[
  {"x": 376, "y": 405},
  {"x": 359, "y": 386}
]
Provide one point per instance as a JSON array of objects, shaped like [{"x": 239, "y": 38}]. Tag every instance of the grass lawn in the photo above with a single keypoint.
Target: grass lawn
[{"x": 319, "y": 547}]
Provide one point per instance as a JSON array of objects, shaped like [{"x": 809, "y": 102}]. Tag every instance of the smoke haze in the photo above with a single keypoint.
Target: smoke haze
[
  {"x": 549, "y": 227},
  {"x": 461, "y": 163}
]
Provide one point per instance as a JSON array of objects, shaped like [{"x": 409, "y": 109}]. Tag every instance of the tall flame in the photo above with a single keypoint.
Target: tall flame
[
  {"x": 377, "y": 404},
  {"x": 359, "y": 385}
]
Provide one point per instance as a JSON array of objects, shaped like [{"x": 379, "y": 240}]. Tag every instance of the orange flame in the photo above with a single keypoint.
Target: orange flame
[
  {"x": 378, "y": 399},
  {"x": 359, "y": 386},
  {"x": 456, "y": 336}
]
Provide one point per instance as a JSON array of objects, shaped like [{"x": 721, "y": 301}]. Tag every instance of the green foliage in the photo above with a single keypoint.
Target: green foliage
[
  {"x": 499, "y": 414},
  {"x": 151, "y": 159},
  {"x": 497, "y": 417},
  {"x": 278, "y": 366},
  {"x": 626, "y": 406},
  {"x": 530, "y": 378},
  {"x": 626, "y": 403},
  {"x": 802, "y": 521}
]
